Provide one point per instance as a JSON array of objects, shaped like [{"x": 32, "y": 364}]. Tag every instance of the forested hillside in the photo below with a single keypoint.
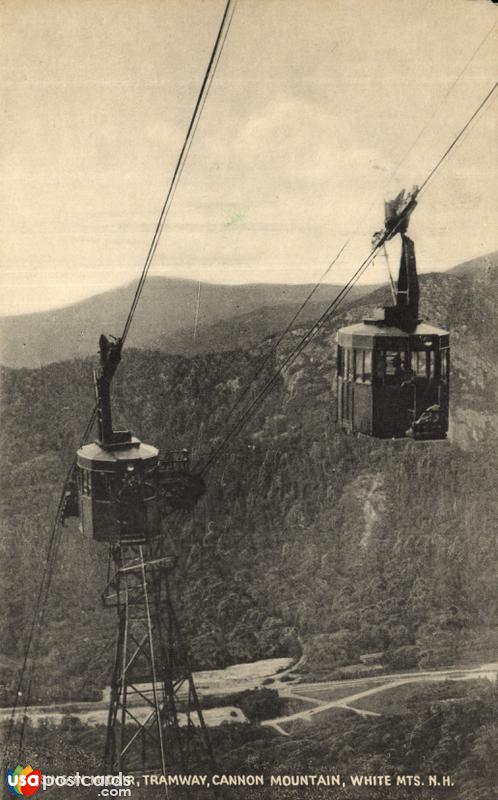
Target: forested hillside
[{"x": 308, "y": 539}]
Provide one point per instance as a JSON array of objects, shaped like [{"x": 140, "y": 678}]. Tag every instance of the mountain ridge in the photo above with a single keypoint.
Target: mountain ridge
[
  {"x": 32, "y": 340},
  {"x": 230, "y": 316}
]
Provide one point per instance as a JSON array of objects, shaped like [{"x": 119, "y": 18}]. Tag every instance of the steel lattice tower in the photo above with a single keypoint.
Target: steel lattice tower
[{"x": 151, "y": 670}]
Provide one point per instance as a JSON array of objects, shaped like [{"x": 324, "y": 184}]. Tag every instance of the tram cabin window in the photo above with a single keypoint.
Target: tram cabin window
[
  {"x": 363, "y": 366},
  {"x": 100, "y": 486},
  {"x": 367, "y": 366},
  {"x": 419, "y": 364},
  {"x": 424, "y": 364},
  {"x": 349, "y": 364},
  {"x": 86, "y": 482},
  {"x": 431, "y": 363},
  {"x": 380, "y": 366},
  {"x": 358, "y": 366},
  {"x": 444, "y": 365},
  {"x": 149, "y": 484},
  {"x": 344, "y": 363},
  {"x": 395, "y": 362}
]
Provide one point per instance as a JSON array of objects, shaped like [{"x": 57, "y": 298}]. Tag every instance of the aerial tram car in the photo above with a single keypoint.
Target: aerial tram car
[
  {"x": 392, "y": 368},
  {"x": 123, "y": 485}
]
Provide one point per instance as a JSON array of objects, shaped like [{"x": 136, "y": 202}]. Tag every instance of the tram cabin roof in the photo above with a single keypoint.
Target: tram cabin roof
[
  {"x": 379, "y": 337},
  {"x": 135, "y": 453}
]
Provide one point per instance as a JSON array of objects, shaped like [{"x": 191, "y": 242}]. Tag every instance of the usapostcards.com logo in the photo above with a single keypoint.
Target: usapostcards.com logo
[{"x": 24, "y": 782}]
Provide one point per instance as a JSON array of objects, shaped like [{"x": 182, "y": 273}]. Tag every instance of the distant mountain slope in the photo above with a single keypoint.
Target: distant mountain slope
[
  {"x": 477, "y": 266},
  {"x": 244, "y": 330},
  {"x": 167, "y": 306},
  {"x": 229, "y": 317},
  {"x": 248, "y": 329}
]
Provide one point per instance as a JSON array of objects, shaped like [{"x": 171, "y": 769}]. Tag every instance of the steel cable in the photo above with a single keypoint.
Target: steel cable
[{"x": 54, "y": 541}]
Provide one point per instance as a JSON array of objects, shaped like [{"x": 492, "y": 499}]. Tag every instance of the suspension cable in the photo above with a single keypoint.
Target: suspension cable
[
  {"x": 199, "y": 105},
  {"x": 445, "y": 97},
  {"x": 288, "y": 327},
  {"x": 247, "y": 413},
  {"x": 32, "y": 643},
  {"x": 392, "y": 282},
  {"x": 457, "y": 138},
  {"x": 36, "y": 623}
]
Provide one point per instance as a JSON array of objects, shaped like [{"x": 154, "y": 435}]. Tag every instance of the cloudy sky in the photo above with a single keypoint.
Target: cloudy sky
[{"x": 319, "y": 109}]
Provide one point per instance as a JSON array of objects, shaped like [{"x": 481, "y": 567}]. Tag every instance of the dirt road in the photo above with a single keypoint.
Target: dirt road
[{"x": 382, "y": 684}]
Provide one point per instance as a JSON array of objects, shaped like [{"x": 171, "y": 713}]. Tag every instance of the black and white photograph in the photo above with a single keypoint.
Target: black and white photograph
[{"x": 249, "y": 399}]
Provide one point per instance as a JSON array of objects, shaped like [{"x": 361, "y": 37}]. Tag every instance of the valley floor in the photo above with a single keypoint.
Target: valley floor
[{"x": 364, "y": 696}]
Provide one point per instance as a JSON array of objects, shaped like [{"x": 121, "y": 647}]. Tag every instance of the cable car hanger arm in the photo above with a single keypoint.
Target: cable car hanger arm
[{"x": 110, "y": 356}]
